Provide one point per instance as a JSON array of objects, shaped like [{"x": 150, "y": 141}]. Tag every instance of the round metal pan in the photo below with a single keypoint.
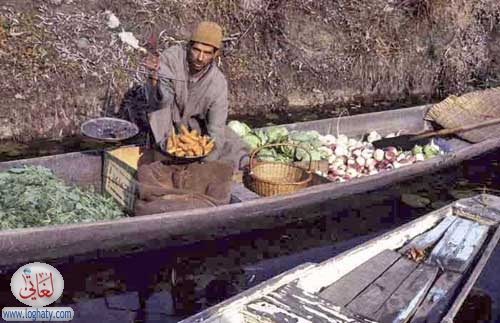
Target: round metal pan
[{"x": 109, "y": 129}]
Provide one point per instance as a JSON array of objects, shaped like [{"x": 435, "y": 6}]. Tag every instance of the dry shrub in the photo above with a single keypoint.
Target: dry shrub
[{"x": 321, "y": 52}]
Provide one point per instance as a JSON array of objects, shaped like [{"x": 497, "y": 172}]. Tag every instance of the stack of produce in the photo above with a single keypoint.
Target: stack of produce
[
  {"x": 348, "y": 158},
  {"x": 31, "y": 196},
  {"x": 309, "y": 140},
  {"x": 189, "y": 143}
]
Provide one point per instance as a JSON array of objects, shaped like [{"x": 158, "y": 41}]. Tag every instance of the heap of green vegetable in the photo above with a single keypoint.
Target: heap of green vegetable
[
  {"x": 32, "y": 196},
  {"x": 309, "y": 140}
]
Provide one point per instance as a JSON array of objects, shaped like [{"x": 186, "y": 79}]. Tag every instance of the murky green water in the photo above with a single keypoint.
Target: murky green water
[{"x": 12, "y": 150}]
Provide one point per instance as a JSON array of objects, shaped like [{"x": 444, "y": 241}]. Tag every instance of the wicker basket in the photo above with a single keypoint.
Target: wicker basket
[
  {"x": 275, "y": 178},
  {"x": 470, "y": 108}
]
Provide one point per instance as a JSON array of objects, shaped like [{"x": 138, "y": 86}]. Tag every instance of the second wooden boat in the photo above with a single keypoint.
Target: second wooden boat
[{"x": 419, "y": 272}]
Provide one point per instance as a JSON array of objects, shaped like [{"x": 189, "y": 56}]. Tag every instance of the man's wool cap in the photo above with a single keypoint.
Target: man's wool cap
[{"x": 209, "y": 33}]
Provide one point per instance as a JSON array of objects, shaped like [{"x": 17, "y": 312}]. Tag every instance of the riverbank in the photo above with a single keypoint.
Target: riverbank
[{"x": 70, "y": 65}]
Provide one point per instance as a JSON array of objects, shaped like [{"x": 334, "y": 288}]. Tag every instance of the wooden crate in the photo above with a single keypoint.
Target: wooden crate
[{"x": 119, "y": 175}]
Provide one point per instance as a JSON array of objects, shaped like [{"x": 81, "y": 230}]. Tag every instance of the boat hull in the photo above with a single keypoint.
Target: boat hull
[{"x": 174, "y": 228}]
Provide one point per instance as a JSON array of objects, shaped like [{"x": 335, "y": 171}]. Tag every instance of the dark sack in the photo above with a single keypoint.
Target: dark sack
[{"x": 167, "y": 188}]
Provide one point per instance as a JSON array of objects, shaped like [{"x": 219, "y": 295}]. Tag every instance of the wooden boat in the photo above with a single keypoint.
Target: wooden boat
[
  {"x": 419, "y": 272},
  {"x": 247, "y": 212}
]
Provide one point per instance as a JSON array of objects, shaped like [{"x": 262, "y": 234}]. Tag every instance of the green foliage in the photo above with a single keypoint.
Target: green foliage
[
  {"x": 32, "y": 196},
  {"x": 252, "y": 141},
  {"x": 240, "y": 128},
  {"x": 431, "y": 150},
  {"x": 277, "y": 134}
]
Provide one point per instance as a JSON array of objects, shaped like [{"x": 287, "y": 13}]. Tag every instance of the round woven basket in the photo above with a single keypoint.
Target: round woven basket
[{"x": 275, "y": 178}]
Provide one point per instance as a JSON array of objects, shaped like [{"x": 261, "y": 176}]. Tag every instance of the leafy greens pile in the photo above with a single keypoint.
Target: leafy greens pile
[
  {"x": 308, "y": 140},
  {"x": 33, "y": 196}
]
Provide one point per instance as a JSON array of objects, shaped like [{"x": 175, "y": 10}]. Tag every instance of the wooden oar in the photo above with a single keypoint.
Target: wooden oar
[{"x": 408, "y": 141}]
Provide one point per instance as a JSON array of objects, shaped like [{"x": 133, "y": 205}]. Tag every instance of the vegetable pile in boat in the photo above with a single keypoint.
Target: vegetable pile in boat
[
  {"x": 348, "y": 158},
  {"x": 32, "y": 196}
]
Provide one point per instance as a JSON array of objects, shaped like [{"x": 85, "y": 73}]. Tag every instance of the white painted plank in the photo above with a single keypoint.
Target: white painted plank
[
  {"x": 232, "y": 306},
  {"x": 472, "y": 277},
  {"x": 474, "y": 238},
  {"x": 432, "y": 236},
  {"x": 460, "y": 244},
  {"x": 332, "y": 270},
  {"x": 260, "y": 310},
  {"x": 290, "y": 304},
  {"x": 483, "y": 206}
]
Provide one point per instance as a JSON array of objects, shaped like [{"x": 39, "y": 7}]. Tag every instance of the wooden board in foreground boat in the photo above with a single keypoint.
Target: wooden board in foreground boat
[
  {"x": 245, "y": 214},
  {"x": 419, "y": 272}
]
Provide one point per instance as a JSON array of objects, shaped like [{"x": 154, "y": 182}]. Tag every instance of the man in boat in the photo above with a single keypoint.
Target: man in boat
[{"x": 186, "y": 87}]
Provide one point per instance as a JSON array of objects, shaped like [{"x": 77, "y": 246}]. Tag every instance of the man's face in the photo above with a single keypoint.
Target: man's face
[{"x": 199, "y": 56}]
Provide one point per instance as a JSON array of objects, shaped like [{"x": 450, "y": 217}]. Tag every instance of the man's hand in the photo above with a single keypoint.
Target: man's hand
[{"x": 152, "y": 64}]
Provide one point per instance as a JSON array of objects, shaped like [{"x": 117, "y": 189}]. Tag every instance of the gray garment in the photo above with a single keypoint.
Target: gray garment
[{"x": 200, "y": 104}]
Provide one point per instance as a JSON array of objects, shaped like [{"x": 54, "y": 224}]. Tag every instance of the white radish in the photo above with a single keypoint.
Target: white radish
[
  {"x": 356, "y": 152},
  {"x": 342, "y": 140},
  {"x": 341, "y": 150},
  {"x": 378, "y": 155},
  {"x": 419, "y": 157},
  {"x": 360, "y": 161},
  {"x": 373, "y": 136},
  {"x": 370, "y": 163},
  {"x": 367, "y": 153}
]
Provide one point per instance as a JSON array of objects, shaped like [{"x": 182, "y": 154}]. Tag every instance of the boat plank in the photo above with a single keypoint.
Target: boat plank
[
  {"x": 429, "y": 238},
  {"x": 237, "y": 302},
  {"x": 481, "y": 208},
  {"x": 406, "y": 299},
  {"x": 343, "y": 291},
  {"x": 374, "y": 297},
  {"x": 240, "y": 193},
  {"x": 384, "y": 122},
  {"x": 472, "y": 277},
  {"x": 334, "y": 269},
  {"x": 456, "y": 250},
  {"x": 438, "y": 299},
  {"x": 294, "y": 302},
  {"x": 263, "y": 312}
]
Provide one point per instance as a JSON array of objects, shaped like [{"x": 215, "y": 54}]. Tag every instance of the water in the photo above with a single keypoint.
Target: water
[
  {"x": 207, "y": 272},
  {"x": 10, "y": 150}
]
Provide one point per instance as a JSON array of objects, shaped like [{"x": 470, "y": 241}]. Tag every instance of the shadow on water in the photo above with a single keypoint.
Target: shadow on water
[{"x": 10, "y": 150}]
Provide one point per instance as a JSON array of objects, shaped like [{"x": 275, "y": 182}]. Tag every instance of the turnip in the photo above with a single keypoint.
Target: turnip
[
  {"x": 356, "y": 152},
  {"x": 367, "y": 153},
  {"x": 373, "y": 136},
  {"x": 342, "y": 140},
  {"x": 391, "y": 153},
  {"x": 360, "y": 161},
  {"x": 341, "y": 150},
  {"x": 378, "y": 155},
  {"x": 370, "y": 163}
]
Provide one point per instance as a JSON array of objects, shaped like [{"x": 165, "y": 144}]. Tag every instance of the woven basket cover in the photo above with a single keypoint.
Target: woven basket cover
[{"x": 470, "y": 108}]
